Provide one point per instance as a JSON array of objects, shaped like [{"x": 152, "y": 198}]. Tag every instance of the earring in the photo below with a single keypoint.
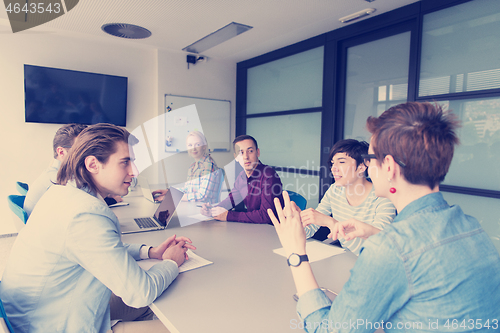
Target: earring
[{"x": 392, "y": 189}]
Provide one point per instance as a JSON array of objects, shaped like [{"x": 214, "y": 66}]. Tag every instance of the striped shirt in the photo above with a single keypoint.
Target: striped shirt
[
  {"x": 202, "y": 182},
  {"x": 375, "y": 211}
]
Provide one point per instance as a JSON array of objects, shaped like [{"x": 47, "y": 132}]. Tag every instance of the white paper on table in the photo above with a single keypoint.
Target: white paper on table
[
  {"x": 194, "y": 261},
  {"x": 200, "y": 217},
  {"x": 192, "y": 219},
  {"x": 316, "y": 251}
]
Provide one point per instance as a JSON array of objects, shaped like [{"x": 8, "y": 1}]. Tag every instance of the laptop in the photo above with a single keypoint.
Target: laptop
[
  {"x": 146, "y": 190},
  {"x": 159, "y": 220}
]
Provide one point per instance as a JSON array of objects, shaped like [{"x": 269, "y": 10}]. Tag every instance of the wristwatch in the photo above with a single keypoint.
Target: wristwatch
[{"x": 295, "y": 260}]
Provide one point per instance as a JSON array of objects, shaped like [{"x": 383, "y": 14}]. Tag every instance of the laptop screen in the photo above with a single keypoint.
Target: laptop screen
[{"x": 168, "y": 205}]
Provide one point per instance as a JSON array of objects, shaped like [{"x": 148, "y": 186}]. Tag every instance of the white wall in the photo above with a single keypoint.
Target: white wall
[
  {"x": 26, "y": 148},
  {"x": 212, "y": 79}
]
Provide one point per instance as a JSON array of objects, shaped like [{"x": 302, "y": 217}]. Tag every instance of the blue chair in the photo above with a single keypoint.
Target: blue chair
[
  {"x": 16, "y": 204},
  {"x": 4, "y": 317},
  {"x": 22, "y": 188},
  {"x": 298, "y": 199}
]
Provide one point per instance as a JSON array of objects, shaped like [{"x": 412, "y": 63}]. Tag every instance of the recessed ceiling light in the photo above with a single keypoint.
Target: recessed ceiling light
[
  {"x": 227, "y": 32},
  {"x": 125, "y": 30}
]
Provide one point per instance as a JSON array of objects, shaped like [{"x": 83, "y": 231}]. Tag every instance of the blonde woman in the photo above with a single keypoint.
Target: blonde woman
[{"x": 202, "y": 180}]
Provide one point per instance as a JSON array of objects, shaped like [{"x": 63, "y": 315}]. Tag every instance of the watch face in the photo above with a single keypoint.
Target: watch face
[{"x": 294, "y": 259}]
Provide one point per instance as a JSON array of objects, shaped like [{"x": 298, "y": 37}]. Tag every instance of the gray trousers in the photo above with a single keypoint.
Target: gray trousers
[{"x": 133, "y": 320}]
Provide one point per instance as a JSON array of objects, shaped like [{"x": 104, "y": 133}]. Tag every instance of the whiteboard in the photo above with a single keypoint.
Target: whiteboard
[{"x": 214, "y": 116}]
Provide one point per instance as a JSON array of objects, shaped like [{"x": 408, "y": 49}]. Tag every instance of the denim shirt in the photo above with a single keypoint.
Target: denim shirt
[
  {"x": 66, "y": 262},
  {"x": 434, "y": 269}
]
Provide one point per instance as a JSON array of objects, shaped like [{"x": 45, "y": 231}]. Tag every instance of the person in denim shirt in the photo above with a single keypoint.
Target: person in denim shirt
[
  {"x": 434, "y": 269},
  {"x": 66, "y": 263}
]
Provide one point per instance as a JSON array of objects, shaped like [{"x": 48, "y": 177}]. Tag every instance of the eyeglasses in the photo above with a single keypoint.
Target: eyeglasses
[{"x": 368, "y": 157}]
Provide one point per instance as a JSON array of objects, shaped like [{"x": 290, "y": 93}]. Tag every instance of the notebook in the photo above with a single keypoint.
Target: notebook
[{"x": 159, "y": 220}]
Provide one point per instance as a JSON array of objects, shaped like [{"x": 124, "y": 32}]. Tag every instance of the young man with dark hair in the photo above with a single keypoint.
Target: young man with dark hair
[
  {"x": 256, "y": 186},
  {"x": 63, "y": 140},
  {"x": 351, "y": 197}
]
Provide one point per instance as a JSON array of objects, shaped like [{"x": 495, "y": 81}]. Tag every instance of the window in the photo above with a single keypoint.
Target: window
[
  {"x": 440, "y": 51},
  {"x": 476, "y": 159},
  {"x": 290, "y": 83},
  {"x": 460, "y": 45},
  {"x": 284, "y": 113},
  {"x": 460, "y": 70},
  {"x": 376, "y": 79}
]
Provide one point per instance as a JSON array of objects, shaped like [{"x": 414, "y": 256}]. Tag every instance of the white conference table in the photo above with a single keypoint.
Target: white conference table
[{"x": 248, "y": 288}]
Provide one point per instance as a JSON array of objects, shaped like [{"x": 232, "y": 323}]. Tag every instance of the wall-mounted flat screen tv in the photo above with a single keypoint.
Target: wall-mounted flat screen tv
[{"x": 61, "y": 96}]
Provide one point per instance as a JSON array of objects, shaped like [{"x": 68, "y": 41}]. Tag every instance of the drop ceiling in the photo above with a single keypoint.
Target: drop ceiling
[{"x": 177, "y": 23}]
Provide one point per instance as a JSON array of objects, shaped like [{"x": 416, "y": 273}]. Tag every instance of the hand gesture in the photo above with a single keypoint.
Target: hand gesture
[
  {"x": 176, "y": 253},
  {"x": 219, "y": 213},
  {"x": 158, "y": 251},
  {"x": 352, "y": 228},
  {"x": 289, "y": 227},
  {"x": 312, "y": 216},
  {"x": 206, "y": 209}
]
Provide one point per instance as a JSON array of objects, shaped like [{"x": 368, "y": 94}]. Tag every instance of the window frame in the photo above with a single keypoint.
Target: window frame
[{"x": 335, "y": 44}]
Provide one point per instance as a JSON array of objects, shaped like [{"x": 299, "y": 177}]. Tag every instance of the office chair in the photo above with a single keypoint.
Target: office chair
[
  {"x": 22, "y": 188},
  {"x": 298, "y": 199},
  {"x": 16, "y": 204},
  {"x": 4, "y": 317}
]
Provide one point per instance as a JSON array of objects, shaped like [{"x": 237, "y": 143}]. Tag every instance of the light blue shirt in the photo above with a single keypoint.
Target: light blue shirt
[
  {"x": 41, "y": 185},
  {"x": 434, "y": 269},
  {"x": 66, "y": 262}
]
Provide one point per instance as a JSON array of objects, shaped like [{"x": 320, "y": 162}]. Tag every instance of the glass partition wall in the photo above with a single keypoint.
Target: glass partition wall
[
  {"x": 301, "y": 99},
  {"x": 284, "y": 107},
  {"x": 376, "y": 79},
  {"x": 460, "y": 69}
]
